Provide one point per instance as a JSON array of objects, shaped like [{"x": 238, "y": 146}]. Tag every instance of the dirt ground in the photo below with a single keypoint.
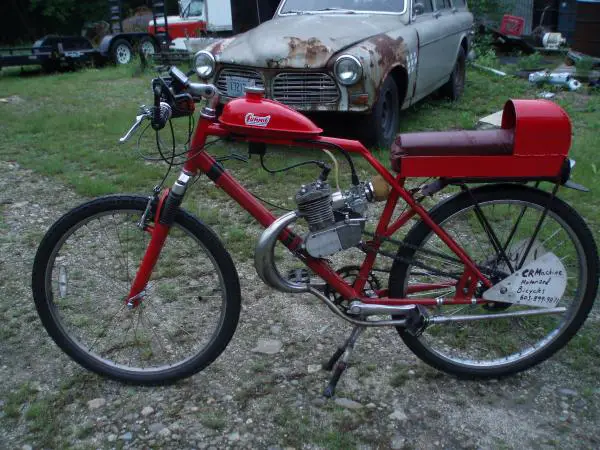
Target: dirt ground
[{"x": 387, "y": 399}]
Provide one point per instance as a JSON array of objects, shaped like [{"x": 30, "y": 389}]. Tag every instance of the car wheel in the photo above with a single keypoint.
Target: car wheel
[
  {"x": 383, "y": 123},
  {"x": 121, "y": 52},
  {"x": 147, "y": 47},
  {"x": 455, "y": 87}
]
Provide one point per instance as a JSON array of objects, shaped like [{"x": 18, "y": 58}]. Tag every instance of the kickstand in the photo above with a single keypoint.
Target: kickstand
[{"x": 341, "y": 366}]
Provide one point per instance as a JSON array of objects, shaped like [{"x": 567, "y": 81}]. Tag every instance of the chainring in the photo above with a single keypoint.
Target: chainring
[{"x": 349, "y": 273}]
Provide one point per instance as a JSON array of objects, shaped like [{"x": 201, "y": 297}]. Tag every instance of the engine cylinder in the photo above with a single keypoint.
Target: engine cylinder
[{"x": 314, "y": 204}]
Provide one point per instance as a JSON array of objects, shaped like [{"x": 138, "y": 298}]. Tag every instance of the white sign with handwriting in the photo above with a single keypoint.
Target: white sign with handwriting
[{"x": 541, "y": 283}]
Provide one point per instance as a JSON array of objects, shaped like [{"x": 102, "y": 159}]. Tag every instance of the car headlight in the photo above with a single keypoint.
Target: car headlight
[
  {"x": 348, "y": 70},
  {"x": 204, "y": 62}
]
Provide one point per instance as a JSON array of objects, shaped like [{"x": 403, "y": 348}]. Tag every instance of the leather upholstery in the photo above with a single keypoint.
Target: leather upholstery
[{"x": 452, "y": 143}]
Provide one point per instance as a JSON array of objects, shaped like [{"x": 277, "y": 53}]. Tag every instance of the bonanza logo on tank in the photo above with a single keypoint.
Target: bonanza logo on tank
[{"x": 257, "y": 121}]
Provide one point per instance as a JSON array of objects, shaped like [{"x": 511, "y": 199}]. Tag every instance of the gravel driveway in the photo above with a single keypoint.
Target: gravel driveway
[{"x": 264, "y": 391}]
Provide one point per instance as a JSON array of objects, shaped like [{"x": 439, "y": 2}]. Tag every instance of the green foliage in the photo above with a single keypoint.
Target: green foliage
[
  {"x": 584, "y": 65},
  {"x": 488, "y": 58},
  {"x": 529, "y": 62},
  {"x": 59, "y": 10},
  {"x": 489, "y": 10}
]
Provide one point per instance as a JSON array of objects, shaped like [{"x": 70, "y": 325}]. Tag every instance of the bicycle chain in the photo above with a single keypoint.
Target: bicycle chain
[{"x": 411, "y": 261}]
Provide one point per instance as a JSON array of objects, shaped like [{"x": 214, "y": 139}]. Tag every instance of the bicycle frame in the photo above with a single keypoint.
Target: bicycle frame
[{"x": 199, "y": 161}]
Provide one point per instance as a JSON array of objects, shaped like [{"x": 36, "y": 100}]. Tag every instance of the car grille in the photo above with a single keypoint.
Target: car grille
[
  {"x": 238, "y": 72},
  {"x": 304, "y": 88}
]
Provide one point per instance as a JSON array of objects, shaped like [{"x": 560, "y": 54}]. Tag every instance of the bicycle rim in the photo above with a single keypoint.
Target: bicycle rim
[
  {"x": 500, "y": 346},
  {"x": 87, "y": 280}
]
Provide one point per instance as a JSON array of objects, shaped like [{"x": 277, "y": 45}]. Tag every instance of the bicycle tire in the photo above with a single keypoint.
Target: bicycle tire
[
  {"x": 435, "y": 345},
  {"x": 69, "y": 279}
]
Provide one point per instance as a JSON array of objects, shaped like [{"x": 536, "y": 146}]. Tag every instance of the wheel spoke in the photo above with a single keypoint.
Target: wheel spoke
[
  {"x": 182, "y": 316},
  {"x": 503, "y": 345}
]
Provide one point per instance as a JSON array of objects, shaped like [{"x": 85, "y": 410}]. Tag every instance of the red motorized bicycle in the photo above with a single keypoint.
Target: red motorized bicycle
[{"x": 491, "y": 281}]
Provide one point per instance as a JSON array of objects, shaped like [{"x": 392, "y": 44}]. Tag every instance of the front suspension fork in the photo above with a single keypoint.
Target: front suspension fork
[{"x": 164, "y": 218}]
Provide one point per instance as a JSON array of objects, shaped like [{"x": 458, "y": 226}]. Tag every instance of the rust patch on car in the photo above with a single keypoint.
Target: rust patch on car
[
  {"x": 218, "y": 47},
  {"x": 312, "y": 50},
  {"x": 389, "y": 51}
]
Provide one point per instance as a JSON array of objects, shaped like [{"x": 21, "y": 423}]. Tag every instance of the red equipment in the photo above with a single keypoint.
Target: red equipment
[
  {"x": 534, "y": 142},
  {"x": 512, "y": 25},
  {"x": 253, "y": 115},
  {"x": 180, "y": 27}
]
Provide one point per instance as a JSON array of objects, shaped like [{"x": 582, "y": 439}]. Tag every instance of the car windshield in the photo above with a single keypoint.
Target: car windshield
[
  {"x": 341, "y": 6},
  {"x": 191, "y": 8}
]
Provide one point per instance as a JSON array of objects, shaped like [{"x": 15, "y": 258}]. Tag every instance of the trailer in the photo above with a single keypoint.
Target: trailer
[
  {"x": 57, "y": 52},
  {"x": 51, "y": 52}
]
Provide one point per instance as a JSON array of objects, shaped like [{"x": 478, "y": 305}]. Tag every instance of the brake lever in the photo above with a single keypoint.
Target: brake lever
[{"x": 145, "y": 114}]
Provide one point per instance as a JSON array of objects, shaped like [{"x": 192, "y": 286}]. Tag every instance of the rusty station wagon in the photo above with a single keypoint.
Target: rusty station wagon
[{"x": 367, "y": 57}]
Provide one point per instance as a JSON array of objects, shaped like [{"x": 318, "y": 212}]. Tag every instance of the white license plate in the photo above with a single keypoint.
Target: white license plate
[
  {"x": 73, "y": 54},
  {"x": 236, "y": 86}
]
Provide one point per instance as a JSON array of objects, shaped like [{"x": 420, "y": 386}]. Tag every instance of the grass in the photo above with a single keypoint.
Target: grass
[
  {"x": 68, "y": 124},
  {"x": 38, "y": 413},
  {"x": 214, "y": 420},
  {"x": 297, "y": 428},
  {"x": 18, "y": 399}
]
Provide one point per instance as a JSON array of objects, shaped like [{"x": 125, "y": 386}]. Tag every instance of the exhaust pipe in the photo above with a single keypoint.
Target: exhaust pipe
[{"x": 264, "y": 257}]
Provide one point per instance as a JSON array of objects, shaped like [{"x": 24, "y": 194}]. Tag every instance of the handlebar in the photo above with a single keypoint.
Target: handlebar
[
  {"x": 169, "y": 95},
  {"x": 206, "y": 91}
]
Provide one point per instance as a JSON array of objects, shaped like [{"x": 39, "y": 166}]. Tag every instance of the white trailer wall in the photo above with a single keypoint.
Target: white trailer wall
[{"x": 219, "y": 15}]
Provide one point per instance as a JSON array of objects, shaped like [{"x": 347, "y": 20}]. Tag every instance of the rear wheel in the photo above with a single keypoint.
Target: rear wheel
[
  {"x": 493, "y": 348},
  {"x": 147, "y": 47},
  {"x": 121, "y": 52},
  {"x": 455, "y": 87},
  {"x": 82, "y": 275}
]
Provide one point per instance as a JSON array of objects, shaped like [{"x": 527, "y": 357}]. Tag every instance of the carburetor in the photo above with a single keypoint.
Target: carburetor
[{"x": 335, "y": 219}]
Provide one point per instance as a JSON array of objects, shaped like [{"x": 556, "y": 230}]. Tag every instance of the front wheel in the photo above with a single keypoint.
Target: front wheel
[
  {"x": 497, "y": 347},
  {"x": 82, "y": 274},
  {"x": 383, "y": 123}
]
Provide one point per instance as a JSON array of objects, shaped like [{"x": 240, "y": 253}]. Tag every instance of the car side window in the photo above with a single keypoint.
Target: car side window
[
  {"x": 442, "y": 4},
  {"x": 422, "y": 7}
]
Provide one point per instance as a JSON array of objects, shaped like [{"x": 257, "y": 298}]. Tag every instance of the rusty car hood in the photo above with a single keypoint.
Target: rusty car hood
[{"x": 302, "y": 41}]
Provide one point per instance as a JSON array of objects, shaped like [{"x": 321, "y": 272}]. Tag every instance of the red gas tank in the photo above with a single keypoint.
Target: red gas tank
[{"x": 253, "y": 115}]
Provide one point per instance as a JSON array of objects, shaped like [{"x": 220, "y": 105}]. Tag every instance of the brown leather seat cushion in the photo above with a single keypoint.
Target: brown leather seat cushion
[{"x": 452, "y": 143}]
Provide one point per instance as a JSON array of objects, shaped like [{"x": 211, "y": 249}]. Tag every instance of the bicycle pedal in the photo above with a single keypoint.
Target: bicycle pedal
[{"x": 299, "y": 276}]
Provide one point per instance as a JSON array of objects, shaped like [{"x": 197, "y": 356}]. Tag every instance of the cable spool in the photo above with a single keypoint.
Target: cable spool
[{"x": 553, "y": 41}]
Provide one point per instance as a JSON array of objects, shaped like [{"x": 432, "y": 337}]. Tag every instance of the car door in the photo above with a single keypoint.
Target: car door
[
  {"x": 450, "y": 28},
  {"x": 424, "y": 22}
]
